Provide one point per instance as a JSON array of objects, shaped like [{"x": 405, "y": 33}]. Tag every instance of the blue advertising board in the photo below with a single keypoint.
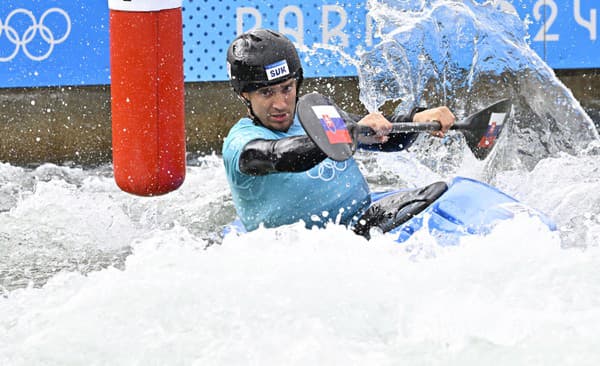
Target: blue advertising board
[
  {"x": 564, "y": 32},
  {"x": 63, "y": 42},
  {"x": 66, "y": 42}
]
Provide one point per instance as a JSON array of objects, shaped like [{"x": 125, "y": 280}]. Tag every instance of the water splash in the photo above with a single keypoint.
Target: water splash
[
  {"x": 291, "y": 295},
  {"x": 466, "y": 54},
  {"x": 61, "y": 218}
]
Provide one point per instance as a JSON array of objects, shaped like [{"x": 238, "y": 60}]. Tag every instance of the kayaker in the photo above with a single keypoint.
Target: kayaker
[{"x": 277, "y": 175}]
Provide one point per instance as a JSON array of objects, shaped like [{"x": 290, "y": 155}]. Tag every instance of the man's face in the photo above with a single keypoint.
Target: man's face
[{"x": 274, "y": 105}]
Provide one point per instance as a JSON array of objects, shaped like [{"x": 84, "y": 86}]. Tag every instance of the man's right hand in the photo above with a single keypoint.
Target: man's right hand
[{"x": 441, "y": 114}]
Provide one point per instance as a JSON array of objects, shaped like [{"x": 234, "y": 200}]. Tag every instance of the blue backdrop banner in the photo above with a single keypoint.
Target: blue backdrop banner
[
  {"x": 66, "y": 42},
  {"x": 59, "y": 42}
]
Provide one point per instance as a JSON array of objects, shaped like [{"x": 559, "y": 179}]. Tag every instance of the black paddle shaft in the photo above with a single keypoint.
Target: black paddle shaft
[{"x": 333, "y": 130}]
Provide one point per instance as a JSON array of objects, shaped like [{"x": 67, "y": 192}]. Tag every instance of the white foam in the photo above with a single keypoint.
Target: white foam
[{"x": 293, "y": 296}]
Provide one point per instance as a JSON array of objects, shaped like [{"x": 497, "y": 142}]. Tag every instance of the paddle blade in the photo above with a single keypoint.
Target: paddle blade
[
  {"x": 323, "y": 122},
  {"x": 482, "y": 129}
]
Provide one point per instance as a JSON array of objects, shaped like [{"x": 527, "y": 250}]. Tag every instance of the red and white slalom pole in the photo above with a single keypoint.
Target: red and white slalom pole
[{"x": 147, "y": 95}]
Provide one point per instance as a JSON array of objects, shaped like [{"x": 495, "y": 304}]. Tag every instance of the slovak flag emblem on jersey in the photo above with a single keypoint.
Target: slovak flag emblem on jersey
[
  {"x": 494, "y": 127},
  {"x": 333, "y": 124}
]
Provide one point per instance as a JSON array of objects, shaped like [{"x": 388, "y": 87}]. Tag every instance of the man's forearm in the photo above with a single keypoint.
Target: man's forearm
[{"x": 290, "y": 154}]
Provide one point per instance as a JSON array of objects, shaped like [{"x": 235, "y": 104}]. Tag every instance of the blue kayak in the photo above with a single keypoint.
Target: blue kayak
[
  {"x": 449, "y": 211},
  {"x": 467, "y": 207}
]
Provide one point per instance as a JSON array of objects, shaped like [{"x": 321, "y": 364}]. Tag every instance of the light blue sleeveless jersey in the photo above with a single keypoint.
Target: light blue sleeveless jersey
[{"x": 330, "y": 191}]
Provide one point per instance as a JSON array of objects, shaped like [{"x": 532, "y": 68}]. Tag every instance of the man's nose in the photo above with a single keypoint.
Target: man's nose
[{"x": 280, "y": 98}]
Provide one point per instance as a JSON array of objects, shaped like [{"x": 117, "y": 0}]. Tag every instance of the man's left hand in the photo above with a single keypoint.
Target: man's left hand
[
  {"x": 378, "y": 123},
  {"x": 441, "y": 114}
]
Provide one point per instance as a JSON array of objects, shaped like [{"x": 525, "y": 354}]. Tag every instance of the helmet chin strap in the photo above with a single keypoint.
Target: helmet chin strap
[{"x": 250, "y": 111}]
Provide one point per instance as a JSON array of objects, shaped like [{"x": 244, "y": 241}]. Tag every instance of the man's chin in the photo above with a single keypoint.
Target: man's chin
[{"x": 281, "y": 126}]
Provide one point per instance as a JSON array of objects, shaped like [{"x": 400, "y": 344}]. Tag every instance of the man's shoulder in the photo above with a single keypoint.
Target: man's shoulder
[
  {"x": 247, "y": 126},
  {"x": 243, "y": 123},
  {"x": 243, "y": 126},
  {"x": 246, "y": 130},
  {"x": 243, "y": 132}
]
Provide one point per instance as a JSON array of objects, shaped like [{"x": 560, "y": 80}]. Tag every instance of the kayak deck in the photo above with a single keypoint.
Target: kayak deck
[
  {"x": 467, "y": 207},
  {"x": 448, "y": 211}
]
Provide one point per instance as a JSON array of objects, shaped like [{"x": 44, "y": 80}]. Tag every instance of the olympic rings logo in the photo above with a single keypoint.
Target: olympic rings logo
[
  {"x": 326, "y": 171},
  {"x": 22, "y": 41}
]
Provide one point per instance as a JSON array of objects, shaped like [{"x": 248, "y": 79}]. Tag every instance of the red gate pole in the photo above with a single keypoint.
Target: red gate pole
[{"x": 147, "y": 95}]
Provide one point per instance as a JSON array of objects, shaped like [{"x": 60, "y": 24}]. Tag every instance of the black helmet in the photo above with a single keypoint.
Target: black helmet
[{"x": 261, "y": 57}]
